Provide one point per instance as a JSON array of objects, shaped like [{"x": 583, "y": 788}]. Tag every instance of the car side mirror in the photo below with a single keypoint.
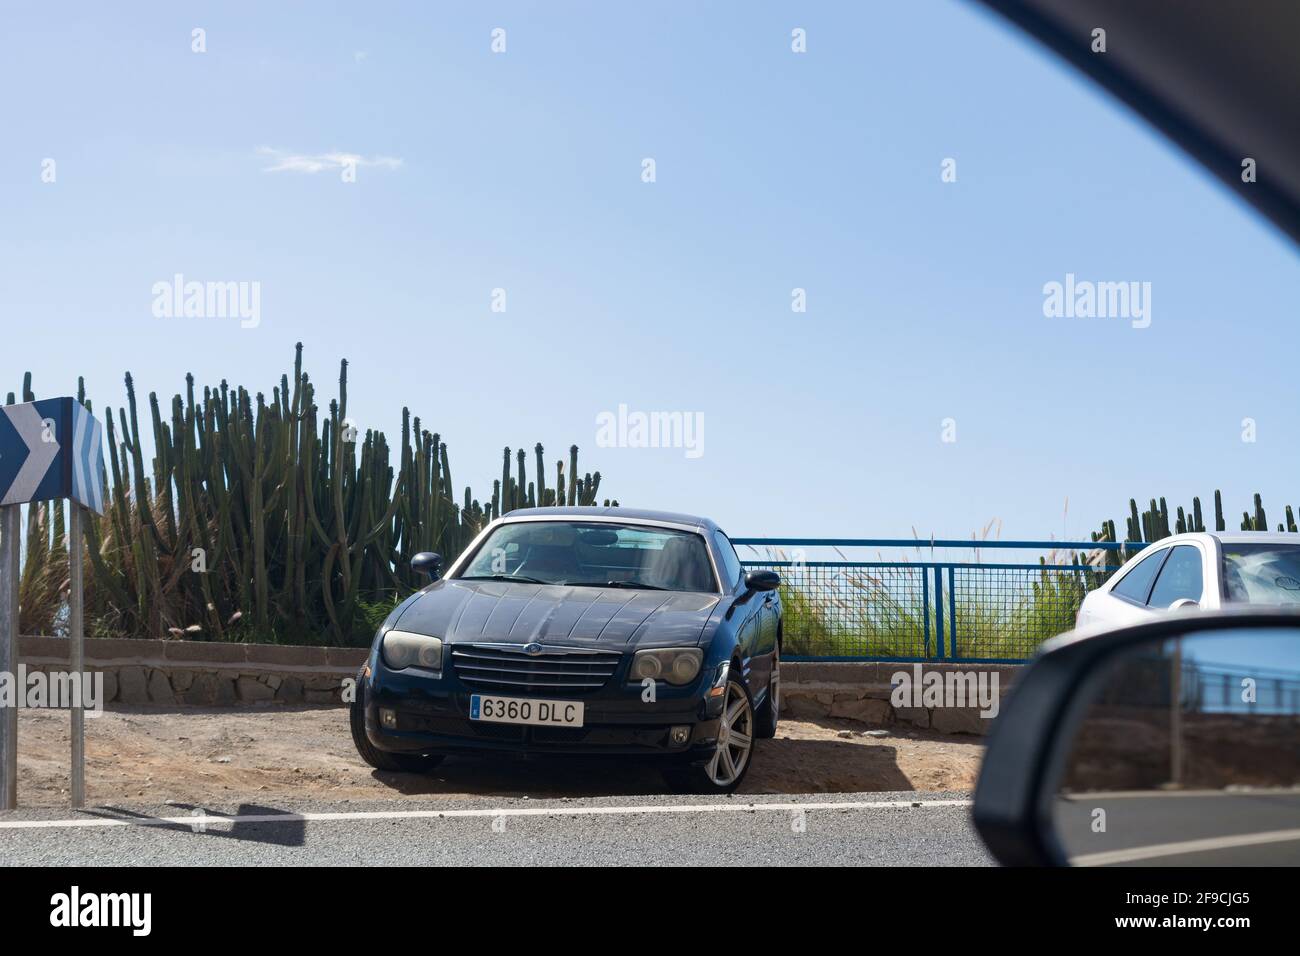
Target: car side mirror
[
  {"x": 1182, "y": 603},
  {"x": 755, "y": 581},
  {"x": 1175, "y": 741},
  {"x": 427, "y": 562},
  {"x": 762, "y": 581}
]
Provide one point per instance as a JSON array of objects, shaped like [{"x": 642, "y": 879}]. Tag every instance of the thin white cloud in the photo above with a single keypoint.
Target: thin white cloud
[
  {"x": 360, "y": 56},
  {"x": 284, "y": 161}
]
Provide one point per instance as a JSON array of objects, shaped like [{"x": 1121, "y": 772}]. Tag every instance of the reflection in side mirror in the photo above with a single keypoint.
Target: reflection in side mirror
[
  {"x": 427, "y": 562},
  {"x": 1187, "y": 753}
]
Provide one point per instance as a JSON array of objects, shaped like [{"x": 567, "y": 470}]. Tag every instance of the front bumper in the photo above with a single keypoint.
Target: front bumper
[{"x": 433, "y": 716}]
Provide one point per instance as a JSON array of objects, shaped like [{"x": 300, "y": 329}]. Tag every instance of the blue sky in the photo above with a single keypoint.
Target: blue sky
[{"x": 775, "y": 170}]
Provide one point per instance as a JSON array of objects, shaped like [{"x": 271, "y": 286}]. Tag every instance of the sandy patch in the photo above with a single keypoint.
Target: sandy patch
[{"x": 262, "y": 756}]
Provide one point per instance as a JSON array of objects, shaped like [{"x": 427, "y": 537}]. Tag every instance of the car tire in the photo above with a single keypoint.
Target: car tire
[
  {"x": 720, "y": 775},
  {"x": 768, "y": 714},
  {"x": 382, "y": 759}
]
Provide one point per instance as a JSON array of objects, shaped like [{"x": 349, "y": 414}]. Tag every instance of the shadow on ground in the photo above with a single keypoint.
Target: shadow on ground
[
  {"x": 287, "y": 832},
  {"x": 301, "y": 755},
  {"x": 818, "y": 760}
]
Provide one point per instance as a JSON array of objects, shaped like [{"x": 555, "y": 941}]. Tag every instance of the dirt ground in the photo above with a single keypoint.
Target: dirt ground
[{"x": 196, "y": 755}]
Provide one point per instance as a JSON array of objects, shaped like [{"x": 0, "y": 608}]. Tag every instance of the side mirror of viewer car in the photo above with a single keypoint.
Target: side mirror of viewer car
[
  {"x": 1172, "y": 742},
  {"x": 427, "y": 562}
]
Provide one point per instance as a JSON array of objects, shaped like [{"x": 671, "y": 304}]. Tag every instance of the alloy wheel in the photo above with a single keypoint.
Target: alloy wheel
[{"x": 735, "y": 737}]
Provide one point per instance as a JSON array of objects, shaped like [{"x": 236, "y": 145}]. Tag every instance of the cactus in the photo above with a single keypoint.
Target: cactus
[
  {"x": 1135, "y": 532},
  {"x": 303, "y": 525},
  {"x": 541, "y": 475},
  {"x": 573, "y": 475},
  {"x": 520, "y": 500},
  {"x": 1153, "y": 523},
  {"x": 506, "y": 504}
]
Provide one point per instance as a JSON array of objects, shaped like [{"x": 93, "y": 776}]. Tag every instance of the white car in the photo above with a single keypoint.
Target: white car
[{"x": 1207, "y": 569}]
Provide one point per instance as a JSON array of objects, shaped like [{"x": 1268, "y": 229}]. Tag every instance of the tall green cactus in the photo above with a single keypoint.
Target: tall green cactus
[
  {"x": 1153, "y": 523},
  {"x": 259, "y": 519}
]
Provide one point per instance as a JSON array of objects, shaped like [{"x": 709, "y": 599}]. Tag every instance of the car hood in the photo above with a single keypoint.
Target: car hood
[{"x": 512, "y": 612}]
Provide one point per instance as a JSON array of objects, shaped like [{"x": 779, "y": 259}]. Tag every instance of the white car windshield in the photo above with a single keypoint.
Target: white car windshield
[
  {"x": 594, "y": 554},
  {"x": 1262, "y": 573}
]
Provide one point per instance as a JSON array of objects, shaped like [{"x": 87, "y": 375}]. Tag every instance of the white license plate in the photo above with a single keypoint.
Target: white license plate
[{"x": 519, "y": 710}]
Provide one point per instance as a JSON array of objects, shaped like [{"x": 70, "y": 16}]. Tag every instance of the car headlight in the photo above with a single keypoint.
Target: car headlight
[
  {"x": 676, "y": 665},
  {"x": 404, "y": 649}
]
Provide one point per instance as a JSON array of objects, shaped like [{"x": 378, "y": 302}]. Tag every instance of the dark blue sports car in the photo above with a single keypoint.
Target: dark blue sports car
[{"x": 581, "y": 631}]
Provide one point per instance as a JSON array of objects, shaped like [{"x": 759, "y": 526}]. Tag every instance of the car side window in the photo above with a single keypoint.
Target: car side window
[
  {"x": 1136, "y": 583},
  {"x": 1179, "y": 578},
  {"x": 731, "y": 569}
]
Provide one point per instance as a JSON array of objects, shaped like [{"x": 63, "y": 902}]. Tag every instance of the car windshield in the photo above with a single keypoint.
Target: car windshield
[
  {"x": 596, "y": 554},
  {"x": 1262, "y": 573}
]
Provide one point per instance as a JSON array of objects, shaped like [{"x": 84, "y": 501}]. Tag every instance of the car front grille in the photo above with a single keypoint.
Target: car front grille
[
  {"x": 503, "y": 669},
  {"x": 650, "y": 738}
]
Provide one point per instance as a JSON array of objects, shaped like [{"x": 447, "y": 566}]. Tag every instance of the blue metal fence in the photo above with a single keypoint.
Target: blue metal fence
[
  {"x": 1217, "y": 689},
  {"x": 935, "y": 607}
]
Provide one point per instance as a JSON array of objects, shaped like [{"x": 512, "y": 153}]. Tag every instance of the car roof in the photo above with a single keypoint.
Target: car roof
[
  {"x": 602, "y": 513},
  {"x": 1257, "y": 537},
  {"x": 1235, "y": 537}
]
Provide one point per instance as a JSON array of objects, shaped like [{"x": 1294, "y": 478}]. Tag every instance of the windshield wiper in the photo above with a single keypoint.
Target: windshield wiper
[
  {"x": 503, "y": 577},
  {"x": 615, "y": 584}
]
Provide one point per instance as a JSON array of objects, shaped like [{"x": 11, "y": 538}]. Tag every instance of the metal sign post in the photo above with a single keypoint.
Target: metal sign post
[
  {"x": 77, "y": 639},
  {"x": 1176, "y": 715},
  {"x": 9, "y": 653},
  {"x": 48, "y": 449}
]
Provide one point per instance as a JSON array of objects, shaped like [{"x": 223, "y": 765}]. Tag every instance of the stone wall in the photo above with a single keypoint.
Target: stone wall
[
  {"x": 861, "y": 691},
  {"x": 211, "y": 674},
  {"x": 204, "y": 673}
]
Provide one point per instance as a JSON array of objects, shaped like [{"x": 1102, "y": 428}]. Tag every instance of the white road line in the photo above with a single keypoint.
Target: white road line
[
  {"x": 209, "y": 820},
  {"x": 1092, "y": 796},
  {"x": 1136, "y": 853}
]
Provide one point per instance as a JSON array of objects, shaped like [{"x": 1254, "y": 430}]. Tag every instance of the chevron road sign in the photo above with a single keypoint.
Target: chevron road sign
[
  {"x": 48, "y": 449},
  {"x": 51, "y": 449}
]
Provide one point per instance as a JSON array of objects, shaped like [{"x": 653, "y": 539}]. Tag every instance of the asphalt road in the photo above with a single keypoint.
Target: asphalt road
[
  {"x": 1182, "y": 828},
  {"x": 905, "y": 828}
]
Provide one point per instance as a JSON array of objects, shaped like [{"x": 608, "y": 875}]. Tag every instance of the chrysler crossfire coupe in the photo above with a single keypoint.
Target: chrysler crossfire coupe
[{"x": 580, "y": 631}]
